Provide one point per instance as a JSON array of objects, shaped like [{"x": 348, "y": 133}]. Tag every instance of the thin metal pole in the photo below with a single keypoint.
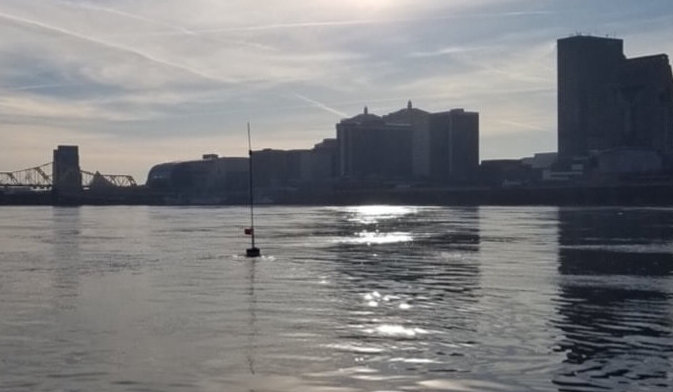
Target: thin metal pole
[{"x": 252, "y": 219}]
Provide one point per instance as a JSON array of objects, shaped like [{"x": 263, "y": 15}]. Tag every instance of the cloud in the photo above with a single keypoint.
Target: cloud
[
  {"x": 175, "y": 78},
  {"x": 321, "y": 105},
  {"x": 108, "y": 45}
]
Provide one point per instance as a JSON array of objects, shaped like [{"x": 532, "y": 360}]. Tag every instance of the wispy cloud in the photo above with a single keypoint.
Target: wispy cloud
[
  {"x": 321, "y": 105},
  {"x": 108, "y": 45},
  {"x": 445, "y": 51},
  {"x": 187, "y": 75}
]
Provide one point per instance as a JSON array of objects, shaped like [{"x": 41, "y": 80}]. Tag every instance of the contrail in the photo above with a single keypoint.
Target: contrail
[
  {"x": 445, "y": 51},
  {"x": 38, "y": 86},
  {"x": 176, "y": 28},
  {"x": 320, "y": 105},
  {"x": 355, "y": 22},
  {"x": 109, "y": 45},
  {"x": 523, "y": 125}
]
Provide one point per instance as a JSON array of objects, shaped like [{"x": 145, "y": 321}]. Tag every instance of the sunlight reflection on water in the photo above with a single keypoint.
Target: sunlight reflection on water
[
  {"x": 374, "y": 298},
  {"x": 377, "y": 213}
]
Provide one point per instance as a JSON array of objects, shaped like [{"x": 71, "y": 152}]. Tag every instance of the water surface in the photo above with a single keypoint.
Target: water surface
[{"x": 375, "y": 298}]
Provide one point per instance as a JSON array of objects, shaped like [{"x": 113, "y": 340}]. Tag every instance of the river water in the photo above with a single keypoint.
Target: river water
[{"x": 372, "y": 298}]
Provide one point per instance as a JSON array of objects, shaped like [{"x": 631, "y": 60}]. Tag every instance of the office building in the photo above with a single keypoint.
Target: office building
[
  {"x": 372, "y": 149},
  {"x": 66, "y": 174},
  {"x": 607, "y": 101},
  {"x": 206, "y": 176},
  {"x": 411, "y": 145},
  {"x": 454, "y": 146}
]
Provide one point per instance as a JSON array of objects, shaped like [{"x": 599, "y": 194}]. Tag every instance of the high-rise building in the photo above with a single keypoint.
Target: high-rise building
[
  {"x": 607, "y": 101},
  {"x": 66, "y": 174},
  {"x": 371, "y": 148},
  {"x": 411, "y": 144},
  {"x": 454, "y": 146}
]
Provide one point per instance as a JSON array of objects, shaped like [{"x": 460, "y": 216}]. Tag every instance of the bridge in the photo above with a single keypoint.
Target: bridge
[{"x": 40, "y": 177}]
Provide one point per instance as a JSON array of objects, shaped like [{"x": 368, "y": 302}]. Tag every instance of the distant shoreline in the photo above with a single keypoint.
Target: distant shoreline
[{"x": 605, "y": 195}]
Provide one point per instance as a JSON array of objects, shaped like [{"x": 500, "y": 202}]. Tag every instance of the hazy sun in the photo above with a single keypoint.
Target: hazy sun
[{"x": 370, "y": 4}]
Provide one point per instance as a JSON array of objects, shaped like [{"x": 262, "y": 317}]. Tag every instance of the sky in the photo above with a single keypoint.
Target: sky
[{"x": 135, "y": 83}]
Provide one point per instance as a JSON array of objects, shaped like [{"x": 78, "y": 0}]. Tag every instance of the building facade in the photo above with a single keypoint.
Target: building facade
[
  {"x": 200, "y": 177},
  {"x": 410, "y": 145},
  {"x": 372, "y": 149},
  {"x": 454, "y": 146},
  {"x": 66, "y": 174},
  {"x": 608, "y": 101}
]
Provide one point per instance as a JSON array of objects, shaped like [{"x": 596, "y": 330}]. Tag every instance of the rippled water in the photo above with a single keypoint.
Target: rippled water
[{"x": 369, "y": 298}]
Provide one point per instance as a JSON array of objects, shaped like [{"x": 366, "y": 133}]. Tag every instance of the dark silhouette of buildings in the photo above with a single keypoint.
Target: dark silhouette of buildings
[
  {"x": 615, "y": 143},
  {"x": 291, "y": 168},
  {"x": 454, "y": 146},
  {"x": 225, "y": 179},
  {"x": 410, "y": 145},
  {"x": 371, "y": 148},
  {"x": 209, "y": 175},
  {"x": 66, "y": 175},
  {"x": 606, "y": 101},
  {"x": 615, "y": 128}
]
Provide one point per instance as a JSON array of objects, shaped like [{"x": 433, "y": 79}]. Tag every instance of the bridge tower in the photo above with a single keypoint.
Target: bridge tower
[{"x": 66, "y": 175}]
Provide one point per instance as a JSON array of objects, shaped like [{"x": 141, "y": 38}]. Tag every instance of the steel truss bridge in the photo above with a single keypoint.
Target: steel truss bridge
[{"x": 40, "y": 177}]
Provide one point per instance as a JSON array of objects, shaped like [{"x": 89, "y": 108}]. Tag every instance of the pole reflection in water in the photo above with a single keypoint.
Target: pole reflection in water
[
  {"x": 252, "y": 323},
  {"x": 615, "y": 306}
]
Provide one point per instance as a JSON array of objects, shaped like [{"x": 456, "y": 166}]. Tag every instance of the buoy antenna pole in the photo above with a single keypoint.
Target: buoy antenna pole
[{"x": 253, "y": 251}]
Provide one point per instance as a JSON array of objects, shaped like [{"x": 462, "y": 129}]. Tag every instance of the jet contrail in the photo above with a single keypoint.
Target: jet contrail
[
  {"x": 353, "y": 22},
  {"x": 109, "y": 45},
  {"x": 320, "y": 105},
  {"x": 176, "y": 28},
  {"x": 38, "y": 86},
  {"x": 523, "y": 125}
]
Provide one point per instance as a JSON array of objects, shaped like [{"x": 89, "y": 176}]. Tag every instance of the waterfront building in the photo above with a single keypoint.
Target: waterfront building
[
  {"x": 409, "y": 145},
  {"x": 608, "y": 101},
  {"x": 453, "y": 146},
  {"x": 66, "y": 174},
  {"x": 218, "y": 176},
  {"x": 372, "y": 149},
  {"x": 324, "y": 161},
  {"x": 208, "y": 175},
  {"x": 280, "y": 168}
]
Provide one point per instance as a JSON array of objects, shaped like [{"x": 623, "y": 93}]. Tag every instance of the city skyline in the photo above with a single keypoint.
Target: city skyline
[{"x": 139, "y": 83}]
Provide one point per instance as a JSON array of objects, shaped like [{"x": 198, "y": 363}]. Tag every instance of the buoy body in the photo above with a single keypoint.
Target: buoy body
[{"x": 253, "y": 252}]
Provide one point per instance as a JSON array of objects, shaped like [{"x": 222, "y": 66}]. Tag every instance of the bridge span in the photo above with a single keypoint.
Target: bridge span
[{"x": 41, "y": 177}]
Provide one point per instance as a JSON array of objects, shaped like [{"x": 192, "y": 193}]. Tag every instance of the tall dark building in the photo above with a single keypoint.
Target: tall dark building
[
  {"x": 371, "y": 148},
  {"x": 66, "y": 174},
  {"x": 411, "y": 144},
  {"x": 607, "y": 101},
  {"x": 454, "y": 146}
]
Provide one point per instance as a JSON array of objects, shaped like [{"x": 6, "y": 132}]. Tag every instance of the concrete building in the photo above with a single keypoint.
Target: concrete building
[
  {"x": 370, "y": 148},
  {"x": 280, "y": 168},
  {"x": 324, "y": 160},
  {"x": 628, "y": 161},
  {"x": 222, "y": 176},
  {"x": 453, "y": 144},
  {"x": 607, "y": 101},
  {"x": 206, "y": 176},
  {"x": 410, "y": 145},
  {"x": 418, "y": 121},
  {"x": 66, "y": 174}
]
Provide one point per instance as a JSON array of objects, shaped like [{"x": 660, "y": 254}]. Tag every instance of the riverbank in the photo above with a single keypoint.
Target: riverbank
[{"x": 623, "y": 194}]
